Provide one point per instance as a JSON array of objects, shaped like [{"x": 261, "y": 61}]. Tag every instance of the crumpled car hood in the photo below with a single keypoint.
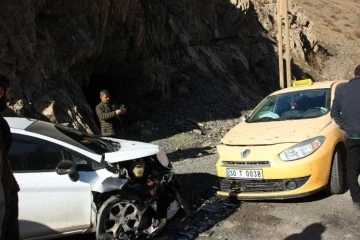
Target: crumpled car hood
[
  {"x": 265, "y": 133},
  {"x": 130, "y": 150}
]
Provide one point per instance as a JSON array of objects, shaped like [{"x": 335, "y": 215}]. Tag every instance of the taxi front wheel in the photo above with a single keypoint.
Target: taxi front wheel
[{"x": 336, "y": 183}]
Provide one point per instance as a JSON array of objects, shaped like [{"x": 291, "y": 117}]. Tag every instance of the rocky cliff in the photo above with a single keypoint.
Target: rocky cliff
[{"x": 60, "y": 53}]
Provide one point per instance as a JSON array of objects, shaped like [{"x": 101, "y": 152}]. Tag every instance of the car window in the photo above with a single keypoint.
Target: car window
[
  {"x": 28, "y": 156},
  {"x": 301, "y": 104},
  {"x": 83, "y": 163}
]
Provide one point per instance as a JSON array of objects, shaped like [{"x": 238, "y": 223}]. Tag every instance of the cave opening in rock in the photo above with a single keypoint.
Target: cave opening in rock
[
  {"x": 102, "y": 81},
  {"x": 122, "y": 90}
]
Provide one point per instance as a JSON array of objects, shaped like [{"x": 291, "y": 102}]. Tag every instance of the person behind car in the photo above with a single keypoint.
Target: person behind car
[
  {"x": 109, "y": 115},
  {"x": 2, "y": 196},
  {"x": 10, "y": 225},
  {"x": 346, "y": 113}
]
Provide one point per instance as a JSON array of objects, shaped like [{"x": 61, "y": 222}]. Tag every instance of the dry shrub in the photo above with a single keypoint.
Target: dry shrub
[
  {"x": 338, "y": 11},
  {"x": 357, "y": 34},
  {"x": 336, "y": 29},
  {"x": 349, "y": 37},
  {"x": 329, "y": 22},
  {"x": 316, "y": 60}
]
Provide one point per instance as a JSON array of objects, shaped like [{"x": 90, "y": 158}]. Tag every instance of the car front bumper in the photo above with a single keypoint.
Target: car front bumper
[{"x": 281, "y": 179}]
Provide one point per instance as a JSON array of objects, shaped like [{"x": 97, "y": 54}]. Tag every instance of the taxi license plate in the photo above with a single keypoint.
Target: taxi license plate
[{"x": 244, "y": 174}]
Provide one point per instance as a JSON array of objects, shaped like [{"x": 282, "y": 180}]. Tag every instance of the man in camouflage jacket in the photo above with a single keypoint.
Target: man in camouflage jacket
[{"x": 109, "y": 115}]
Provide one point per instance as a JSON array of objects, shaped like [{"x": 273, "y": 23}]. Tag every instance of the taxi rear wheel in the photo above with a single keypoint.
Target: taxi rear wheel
[{"x": 336, "y": 184}]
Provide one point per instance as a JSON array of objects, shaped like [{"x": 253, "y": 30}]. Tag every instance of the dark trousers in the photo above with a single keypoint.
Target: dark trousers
[
  {"x": 10, "y": 227},
  {"x": 353, "y": 168}
]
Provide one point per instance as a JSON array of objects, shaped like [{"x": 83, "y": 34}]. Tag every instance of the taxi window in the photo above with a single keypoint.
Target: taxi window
[{"x": 293, "y": 105}]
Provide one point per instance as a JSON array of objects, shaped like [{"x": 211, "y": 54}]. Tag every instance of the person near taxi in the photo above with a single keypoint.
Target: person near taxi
[
  {"x": 10, "y": 224},
  {"x": 346, "y": 113},
  {"x": 109, "y": 115},
  {"x": 2, "y": 196}
]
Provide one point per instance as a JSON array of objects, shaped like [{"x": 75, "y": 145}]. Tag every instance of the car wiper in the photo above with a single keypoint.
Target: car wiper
[
  {"x": 292, "y": 118},
  {"x": 100, "y": 142},
  {"x": 266, "y": 119},
  {"x": 115, "y": 145},
  {"x": 65, "y": 129}
]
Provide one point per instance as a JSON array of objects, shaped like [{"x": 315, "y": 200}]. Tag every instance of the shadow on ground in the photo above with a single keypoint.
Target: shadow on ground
[
  {"x": 199, "y": 190},
  {"x": 311, "y": 198},
  {"x": 188, "y": 153},
  {"x": 313, "y": 231}
]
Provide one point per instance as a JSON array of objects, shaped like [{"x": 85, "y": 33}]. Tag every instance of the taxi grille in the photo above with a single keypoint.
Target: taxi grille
[
  {"x": 248, "y": 164},
  {"x": 257, "y": 186}
]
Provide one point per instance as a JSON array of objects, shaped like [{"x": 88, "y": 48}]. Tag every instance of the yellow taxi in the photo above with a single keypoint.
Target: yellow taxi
[{"x": 287, "y": 147}]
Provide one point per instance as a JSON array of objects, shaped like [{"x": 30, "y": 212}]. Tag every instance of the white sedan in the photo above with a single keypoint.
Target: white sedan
[{"x": 59, "y": 196}]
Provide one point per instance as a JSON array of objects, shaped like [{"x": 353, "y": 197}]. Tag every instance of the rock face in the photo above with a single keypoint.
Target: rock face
[{"x": 60, "y": 53}]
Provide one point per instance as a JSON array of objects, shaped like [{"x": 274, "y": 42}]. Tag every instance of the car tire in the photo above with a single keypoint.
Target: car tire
[
  {"x": 336, "y": 183},
  {"x": 105, "y": 210}
]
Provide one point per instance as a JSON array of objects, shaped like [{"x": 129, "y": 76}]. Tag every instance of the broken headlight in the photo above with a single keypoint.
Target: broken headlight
[
  {"x": 138, "y": 168},
  {"x": 163, "y": 159}
]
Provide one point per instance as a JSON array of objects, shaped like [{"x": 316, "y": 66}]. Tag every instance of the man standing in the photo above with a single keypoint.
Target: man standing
[
  {"x": 346, "y": 113},
  {"x": 2, "y": 196},
  {"x": 10, "y": 225},
  {"x": 109, "y": 115}
]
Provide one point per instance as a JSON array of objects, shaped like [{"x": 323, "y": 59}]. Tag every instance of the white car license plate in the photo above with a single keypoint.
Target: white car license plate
[{"x": 244, "y": 174}]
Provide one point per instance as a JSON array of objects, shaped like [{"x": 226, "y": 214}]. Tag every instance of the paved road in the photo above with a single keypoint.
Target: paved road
[{"x": 316, "y": 217}]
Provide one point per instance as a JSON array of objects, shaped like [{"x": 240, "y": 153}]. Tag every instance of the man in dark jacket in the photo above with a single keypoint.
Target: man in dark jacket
[
  {"x": 10, "y": 226},
  {"x": 346, "y": 113},
  {"x": 109, "y": 115}
]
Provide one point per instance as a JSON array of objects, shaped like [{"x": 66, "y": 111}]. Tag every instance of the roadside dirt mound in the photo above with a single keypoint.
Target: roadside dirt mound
[{"x": 336, "y": 25}]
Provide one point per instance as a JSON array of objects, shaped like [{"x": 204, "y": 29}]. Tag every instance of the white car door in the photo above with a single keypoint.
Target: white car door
[{"x": 48, "y": 203}]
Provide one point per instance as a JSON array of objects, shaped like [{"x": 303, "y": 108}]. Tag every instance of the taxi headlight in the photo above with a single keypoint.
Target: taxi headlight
[{"x": 302, "y": 149}]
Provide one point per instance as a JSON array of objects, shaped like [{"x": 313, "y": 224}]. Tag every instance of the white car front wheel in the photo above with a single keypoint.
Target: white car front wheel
[{"x": 119, "y": 218}]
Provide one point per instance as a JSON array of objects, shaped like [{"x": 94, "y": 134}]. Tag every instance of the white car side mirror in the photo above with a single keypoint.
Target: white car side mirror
[{"x": 68, "y": 167}]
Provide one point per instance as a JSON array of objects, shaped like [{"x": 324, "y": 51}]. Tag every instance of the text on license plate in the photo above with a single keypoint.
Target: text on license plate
[{"x": 244, "y": 174}]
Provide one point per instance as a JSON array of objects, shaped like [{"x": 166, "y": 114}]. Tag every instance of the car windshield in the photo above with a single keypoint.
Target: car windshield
[
  {"x": 92, "y": 142},
  {"x": 293, "y": 105}
]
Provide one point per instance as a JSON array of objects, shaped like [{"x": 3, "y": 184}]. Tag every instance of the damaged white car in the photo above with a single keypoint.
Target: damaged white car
[{"x": 72, "y": 182}]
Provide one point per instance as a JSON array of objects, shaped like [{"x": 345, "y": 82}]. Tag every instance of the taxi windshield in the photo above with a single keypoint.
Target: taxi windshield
[{"x": 293, "y": 105}]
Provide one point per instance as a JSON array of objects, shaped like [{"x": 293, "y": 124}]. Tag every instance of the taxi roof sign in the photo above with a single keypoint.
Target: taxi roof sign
[{"x": 303, "y": 83}]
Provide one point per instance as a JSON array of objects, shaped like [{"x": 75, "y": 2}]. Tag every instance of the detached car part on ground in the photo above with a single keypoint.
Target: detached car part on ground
[
  {"x": 287, "y": 147},
  {"x": 72, "y": 182}
]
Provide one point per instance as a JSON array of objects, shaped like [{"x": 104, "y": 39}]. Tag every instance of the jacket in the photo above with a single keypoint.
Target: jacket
[
  {"x": 109, "y": 122},
  {"x": 8, "y": 180},
  {"x": 346, "y": 107},
  {"x": 2, "y": 195}
]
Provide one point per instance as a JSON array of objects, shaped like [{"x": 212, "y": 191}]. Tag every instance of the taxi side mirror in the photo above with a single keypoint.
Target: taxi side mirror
[
  {"x": 243, "y": 118},
  {"x": 244, "y": 115}
]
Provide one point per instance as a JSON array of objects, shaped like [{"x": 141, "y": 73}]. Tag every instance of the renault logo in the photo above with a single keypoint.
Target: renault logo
[{"x": 245, "y": 153}]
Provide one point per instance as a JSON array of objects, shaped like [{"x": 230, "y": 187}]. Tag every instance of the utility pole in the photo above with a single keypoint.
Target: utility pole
[
  {"x": 282, "y": 7},
  {"x": 287, "y": 41},
  {"x": 280, "y": 43}
]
